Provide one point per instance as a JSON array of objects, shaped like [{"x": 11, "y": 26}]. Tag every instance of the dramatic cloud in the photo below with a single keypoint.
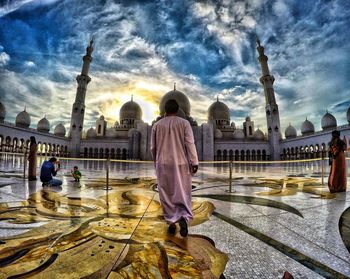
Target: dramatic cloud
[
  {"x": 4, "y": 57},
  {"x": 207, "y": 47}
]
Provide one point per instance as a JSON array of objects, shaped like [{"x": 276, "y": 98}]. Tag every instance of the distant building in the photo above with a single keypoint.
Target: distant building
[{"x": 218, "y": 139}]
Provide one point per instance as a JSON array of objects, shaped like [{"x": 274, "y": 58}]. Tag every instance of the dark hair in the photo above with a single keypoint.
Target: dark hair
[
  {"x": 336, "y": 134},
  {"x": 171, "y": 106},
  {"x": 75, "y": 167},
  {"x": 32, "y": 139},
  {"x": 53, "y": 159}
]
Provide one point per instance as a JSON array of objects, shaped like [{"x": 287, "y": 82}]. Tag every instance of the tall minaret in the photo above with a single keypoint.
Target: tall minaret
[
  {"x": 78, "y": 109},
  {"x": 272, "y": 114}
]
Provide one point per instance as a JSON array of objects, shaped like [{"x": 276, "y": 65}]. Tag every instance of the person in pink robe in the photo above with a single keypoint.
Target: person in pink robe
[
  {"x": 337, "y": 174},
  {"x": 175, "y": 157},
  {"x": 32, "y": 156}
]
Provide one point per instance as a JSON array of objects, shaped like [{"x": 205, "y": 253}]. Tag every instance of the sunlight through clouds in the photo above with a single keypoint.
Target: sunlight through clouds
[{"x": 207, "y": 47}]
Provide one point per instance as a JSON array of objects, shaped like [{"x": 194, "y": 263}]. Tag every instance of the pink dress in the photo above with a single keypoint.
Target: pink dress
[
  {"x": 337, "y": 174},
  {"x": 32, "y": 161},
  {"x": 174, "y": 151}
]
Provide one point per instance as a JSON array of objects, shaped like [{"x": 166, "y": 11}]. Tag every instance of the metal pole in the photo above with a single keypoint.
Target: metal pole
[
  {"x": 322, "y": 172},
  {"x": 230, "y": 178},
  {"x": 107, "y": 172},
  {"x": 230, "y": 164},
  {"x": 107, "y": 176},
  {"x": 24, "y": 165}
]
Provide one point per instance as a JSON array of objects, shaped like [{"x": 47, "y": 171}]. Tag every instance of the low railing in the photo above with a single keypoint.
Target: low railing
[{"x": 230, "y": 164}]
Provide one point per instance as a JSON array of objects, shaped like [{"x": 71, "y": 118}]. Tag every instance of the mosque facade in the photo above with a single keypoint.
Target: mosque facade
[{"x": 217, "y": 139}]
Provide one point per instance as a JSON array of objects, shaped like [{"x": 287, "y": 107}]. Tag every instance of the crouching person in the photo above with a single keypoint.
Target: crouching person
[{"x": 48, "y": 170}]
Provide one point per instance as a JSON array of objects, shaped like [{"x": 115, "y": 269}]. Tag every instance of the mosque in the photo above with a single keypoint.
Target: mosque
[{"x": 218, "y": 139}]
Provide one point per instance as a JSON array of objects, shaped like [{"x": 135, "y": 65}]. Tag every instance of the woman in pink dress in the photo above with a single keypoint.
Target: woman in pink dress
[
  {"x": 337, "y": 174},
  {"x": 32, "y": 159}
]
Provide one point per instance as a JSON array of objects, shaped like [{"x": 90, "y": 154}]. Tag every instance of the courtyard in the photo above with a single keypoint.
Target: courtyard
[{"x": 269, "y": 218}]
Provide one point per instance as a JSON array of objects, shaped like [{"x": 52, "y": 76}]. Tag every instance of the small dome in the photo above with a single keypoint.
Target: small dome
[
  {"x": 218, "y": 134},
  {"x": 43, "y": 125},
  {"x": 238, "y": 134},
  {"x": 102, "y": 117},
  {"x": 233, "y": 125},
  {"x": 247, "y": 119},
  {"x": 23, "y": 119},
  {"x": 2, "y": 112},
  {"x": 59, "y": 130},
  {"x": 259, "y": 135},
  {"x": 219, "y": 111},
  {"x": 290, "y": 132},
  {"x": 328, "y": 121},
  {"x": 130, "y": 110},
  {"x": 180, "y": 98},
  {"x": 111, "y": 133},
  {"x": 307, "y": 127},
  {"x": 348, "y": 115},
  {"x": 91, "y": 133}
]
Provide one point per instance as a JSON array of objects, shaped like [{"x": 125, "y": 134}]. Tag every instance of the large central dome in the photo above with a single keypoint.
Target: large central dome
[
  {"x": 219, "y": 111},
  {"x": 180, "y": 98},
  {"x": 130, "y": 110}
]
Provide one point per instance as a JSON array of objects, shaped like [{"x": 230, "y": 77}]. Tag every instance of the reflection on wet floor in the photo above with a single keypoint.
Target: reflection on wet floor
[
  {"x": 90, "y": 237},
  {"x": 254, "y": 201},
  {"x": 292, "y": 185}
]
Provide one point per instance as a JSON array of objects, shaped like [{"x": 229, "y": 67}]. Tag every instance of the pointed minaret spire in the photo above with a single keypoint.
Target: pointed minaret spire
[
  {"x": 132, "y": 97},
  {"x": 87, "y": 59},
  {"x": 260, "y": 48},
  {"x": 262, "y": 59},
  {"x": 217, "y": 98},
  {"x": 90, "y": 48},
  {"x": 25, "y": 107},
  {"x": 174, "y": 86}
]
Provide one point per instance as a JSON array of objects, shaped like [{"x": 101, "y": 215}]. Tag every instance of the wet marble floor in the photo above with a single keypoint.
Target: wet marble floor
[{"x": 276, "y": 218}]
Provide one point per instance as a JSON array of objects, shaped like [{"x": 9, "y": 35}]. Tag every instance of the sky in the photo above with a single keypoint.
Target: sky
[{"x": 207, "y": 47}]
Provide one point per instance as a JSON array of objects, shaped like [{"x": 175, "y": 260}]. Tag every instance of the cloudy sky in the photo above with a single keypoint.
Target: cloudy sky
[{"x": 207, "y": 47}]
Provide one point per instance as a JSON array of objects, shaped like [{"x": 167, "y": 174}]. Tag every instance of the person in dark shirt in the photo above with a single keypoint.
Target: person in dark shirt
[{"x": 48, "y": 171}]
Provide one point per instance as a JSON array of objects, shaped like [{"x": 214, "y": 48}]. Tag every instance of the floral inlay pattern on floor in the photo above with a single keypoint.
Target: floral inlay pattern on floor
[{"x": 119, "y": 235}]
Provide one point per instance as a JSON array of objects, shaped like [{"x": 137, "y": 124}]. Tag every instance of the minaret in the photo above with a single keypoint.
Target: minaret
[
  {"x": 78, "y": 109},
  {"x": 272, "y": 114}
]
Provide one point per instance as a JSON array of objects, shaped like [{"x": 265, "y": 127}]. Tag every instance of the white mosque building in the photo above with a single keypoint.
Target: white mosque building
[{"x": 218, "y": 139}]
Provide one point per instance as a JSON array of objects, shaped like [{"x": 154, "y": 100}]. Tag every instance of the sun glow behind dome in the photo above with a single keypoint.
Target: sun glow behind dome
[{"x": 147, "y": 97}]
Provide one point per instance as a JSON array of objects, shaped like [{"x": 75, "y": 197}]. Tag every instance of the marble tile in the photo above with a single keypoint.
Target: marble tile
[
  {"x": 249, "y": 257},
  {"x": 285, "y": 235},
  {"x": 316, "y": 235}
]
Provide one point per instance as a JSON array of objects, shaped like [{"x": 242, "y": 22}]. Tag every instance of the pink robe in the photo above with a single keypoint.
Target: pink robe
[
  {"x": 32, "y": 161},
  {"x": 337, "y": 174},
  {"x": 174, "y": 151}
]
